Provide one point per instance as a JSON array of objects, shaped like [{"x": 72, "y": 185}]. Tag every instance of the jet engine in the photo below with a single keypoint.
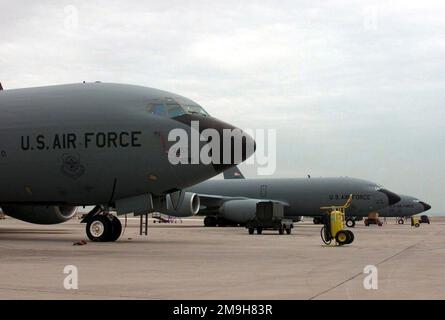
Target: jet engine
[
  {"x": 40, "y": 214},
  {"x": 239, "y": 211},
  {"x": 182, "y": 204}
]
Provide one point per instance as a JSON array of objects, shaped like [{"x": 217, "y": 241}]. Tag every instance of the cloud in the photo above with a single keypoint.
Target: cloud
[{"x": 353, "y": 88}]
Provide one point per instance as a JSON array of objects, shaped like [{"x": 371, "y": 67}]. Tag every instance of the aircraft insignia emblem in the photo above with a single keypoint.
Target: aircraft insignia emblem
[{"x": 71, "y": 166}]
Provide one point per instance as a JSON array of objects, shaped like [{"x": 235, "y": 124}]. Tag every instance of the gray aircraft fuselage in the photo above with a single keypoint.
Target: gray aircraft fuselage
[
  {"x": 408, "y": 206},
  {"x": 86, "y": 144},
  {"x": 305, "y": 196}
]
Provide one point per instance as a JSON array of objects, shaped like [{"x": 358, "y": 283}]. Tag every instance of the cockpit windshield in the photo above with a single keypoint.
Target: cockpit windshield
[
  {"x": 172, "y": 109},
  {"x": 196, "y": 110}
]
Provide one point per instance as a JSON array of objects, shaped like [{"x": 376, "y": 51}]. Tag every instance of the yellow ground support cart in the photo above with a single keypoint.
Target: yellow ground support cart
[
  {"x": 334, "y": 225},
  {"x": 415, "y": 222}
]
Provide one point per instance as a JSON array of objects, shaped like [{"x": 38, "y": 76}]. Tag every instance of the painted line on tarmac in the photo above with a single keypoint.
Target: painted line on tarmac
[{"x": 361, "y": 273}]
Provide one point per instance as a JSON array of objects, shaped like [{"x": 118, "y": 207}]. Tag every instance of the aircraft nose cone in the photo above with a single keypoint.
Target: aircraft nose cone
[
  {"x": 425, "y": 205},
  {"x": 235, "y": 146},
  {"x": 392, "y": 197}
]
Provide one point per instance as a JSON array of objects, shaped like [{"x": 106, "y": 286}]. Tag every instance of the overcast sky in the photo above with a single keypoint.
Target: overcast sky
[{"x": 353, "y": 88}]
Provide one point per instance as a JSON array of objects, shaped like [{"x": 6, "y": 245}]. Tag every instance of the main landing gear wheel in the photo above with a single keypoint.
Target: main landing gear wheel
[
  {"x": 99, "y": 228},
  {"x": 210, "y": 221},
  {"x": 350, "y": 223},
  {"x": 117, "y": 228},
  {"x": 221, "y": 222},
  {"x": 400, "y": 221},
  {"x": 317, "y": 220},
  {"x": 104, "y": 228}
]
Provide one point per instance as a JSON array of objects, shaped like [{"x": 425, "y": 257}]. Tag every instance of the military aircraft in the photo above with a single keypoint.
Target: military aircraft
[
  {"x": 408, "y": 206},
  {"x": 234, "y": 200},
  {"x": 101, "y": 144}
]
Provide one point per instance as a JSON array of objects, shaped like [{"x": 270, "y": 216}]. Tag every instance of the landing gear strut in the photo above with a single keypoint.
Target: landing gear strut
[{"x": 102, "y": 226}]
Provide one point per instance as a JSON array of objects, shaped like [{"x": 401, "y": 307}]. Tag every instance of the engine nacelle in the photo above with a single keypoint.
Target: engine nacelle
[
  {"x": 40, "y": 214},
  {"x": 182, "y": 204},
  {"x": 240, "y": 211}
]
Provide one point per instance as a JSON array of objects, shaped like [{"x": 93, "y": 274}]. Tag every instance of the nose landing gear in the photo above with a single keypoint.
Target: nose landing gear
[{"x": 350, "y": 222}]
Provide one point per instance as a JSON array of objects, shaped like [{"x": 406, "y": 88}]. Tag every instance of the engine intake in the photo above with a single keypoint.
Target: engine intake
[{"x": 183, "y": 204}]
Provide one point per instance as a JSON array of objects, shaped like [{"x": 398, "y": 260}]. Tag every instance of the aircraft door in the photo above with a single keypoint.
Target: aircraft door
[{"x": 263, "y": 191}]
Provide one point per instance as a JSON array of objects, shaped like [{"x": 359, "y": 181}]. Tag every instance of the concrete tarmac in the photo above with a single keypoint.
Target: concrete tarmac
[{"x": 188, "y": 261}]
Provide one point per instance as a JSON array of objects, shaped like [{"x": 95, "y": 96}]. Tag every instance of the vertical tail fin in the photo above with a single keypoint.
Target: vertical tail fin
[{"x": 233, "y": 173}]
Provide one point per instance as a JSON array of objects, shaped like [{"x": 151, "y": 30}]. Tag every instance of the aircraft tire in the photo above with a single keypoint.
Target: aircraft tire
[
  {"x": 400, "y": 221},
  {"x": 350, "y": 223},
  {"x": 99, "y": 228},
  {"x": 221, "y": 222},
  {"x": 210, "y": 221},
  {"x": 116, "y": 230}
]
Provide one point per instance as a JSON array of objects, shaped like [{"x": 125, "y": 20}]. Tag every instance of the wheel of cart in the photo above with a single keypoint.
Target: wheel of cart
[
  {"x": 288, "y": 230},
  {"x": 251, "y": 230},
  {"x": 259, "y": 230}
]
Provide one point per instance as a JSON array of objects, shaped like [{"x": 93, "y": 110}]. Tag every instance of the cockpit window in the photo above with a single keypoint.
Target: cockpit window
[
  {"x": 158, "y": 109},
  {"x": 174, "y": 110},
  {"x": 171, "y": 108},
  {"x": 196, "y": 110}
]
